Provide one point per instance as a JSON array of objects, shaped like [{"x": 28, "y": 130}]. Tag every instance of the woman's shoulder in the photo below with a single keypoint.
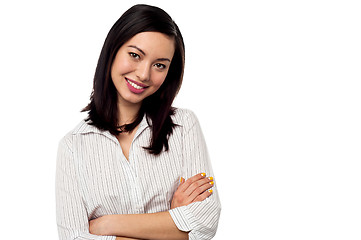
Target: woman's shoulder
[
  {"x": 67, "y": 138},
  {"x": 83, "y": 127},
  {"x": 184, "y": 117}
]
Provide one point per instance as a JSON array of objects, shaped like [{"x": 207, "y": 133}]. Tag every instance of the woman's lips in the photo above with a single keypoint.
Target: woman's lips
[{"x": 135, "y": 87}]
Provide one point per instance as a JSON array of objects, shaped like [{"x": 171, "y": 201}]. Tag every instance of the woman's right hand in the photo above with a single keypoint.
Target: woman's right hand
[{"x": 194, "y": 189}]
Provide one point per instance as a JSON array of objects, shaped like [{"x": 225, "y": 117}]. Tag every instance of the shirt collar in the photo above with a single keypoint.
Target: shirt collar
[{"x": 84, "y": 128}]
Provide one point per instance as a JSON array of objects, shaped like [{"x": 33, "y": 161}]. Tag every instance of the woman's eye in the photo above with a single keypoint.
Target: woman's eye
[
  {"x": 134, "y": 55},
  {"x": 160, "y": 66}
]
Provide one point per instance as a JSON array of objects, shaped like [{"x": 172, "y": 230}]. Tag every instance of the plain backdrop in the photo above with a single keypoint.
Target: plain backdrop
[{"x": 275, "y": 85}]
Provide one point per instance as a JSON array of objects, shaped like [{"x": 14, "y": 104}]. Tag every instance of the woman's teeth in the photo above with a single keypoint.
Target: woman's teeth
[{"x": 134, "y": 85}]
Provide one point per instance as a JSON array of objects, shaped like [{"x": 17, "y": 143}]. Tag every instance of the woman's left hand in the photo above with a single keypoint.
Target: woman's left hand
[{"x": 192, "y": 190}]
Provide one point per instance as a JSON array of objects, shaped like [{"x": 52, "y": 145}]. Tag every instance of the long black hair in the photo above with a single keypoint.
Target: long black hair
[{"x": 103, "y": 110}]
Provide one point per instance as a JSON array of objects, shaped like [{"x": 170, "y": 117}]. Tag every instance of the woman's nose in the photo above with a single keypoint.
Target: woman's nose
[{"x": 143, "y": 71}]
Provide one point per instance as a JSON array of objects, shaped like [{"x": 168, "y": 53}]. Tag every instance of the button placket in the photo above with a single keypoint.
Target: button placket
[{"x": 137, "y": 190}]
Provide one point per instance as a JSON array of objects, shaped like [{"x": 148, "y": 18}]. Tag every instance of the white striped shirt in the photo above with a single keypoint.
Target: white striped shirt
[{"x": 94, "y": 178}]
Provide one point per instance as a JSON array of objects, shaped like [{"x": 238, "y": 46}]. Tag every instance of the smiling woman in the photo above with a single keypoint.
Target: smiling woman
[
  {"x": 137, "y": 168},
  {"x": 141, "y": 66}
]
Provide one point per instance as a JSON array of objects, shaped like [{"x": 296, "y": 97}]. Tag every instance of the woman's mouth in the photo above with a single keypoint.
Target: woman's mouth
[{"x": 135, "y": 87}]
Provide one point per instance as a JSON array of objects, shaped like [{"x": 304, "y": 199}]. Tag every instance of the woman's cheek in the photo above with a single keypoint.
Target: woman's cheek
[
  {"x": 159, "y": 79},
  {"x": 126, "y": 66}
]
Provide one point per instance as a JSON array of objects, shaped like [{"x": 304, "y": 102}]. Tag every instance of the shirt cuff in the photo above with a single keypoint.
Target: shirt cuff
[{"x": 183, "y": 218}]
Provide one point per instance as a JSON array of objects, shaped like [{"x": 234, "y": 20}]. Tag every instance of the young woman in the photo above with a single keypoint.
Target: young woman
[{"x": 137, "y": 168}]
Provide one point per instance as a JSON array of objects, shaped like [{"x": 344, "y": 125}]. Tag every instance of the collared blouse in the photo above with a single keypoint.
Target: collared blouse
[{"x": 93, "y": 178}]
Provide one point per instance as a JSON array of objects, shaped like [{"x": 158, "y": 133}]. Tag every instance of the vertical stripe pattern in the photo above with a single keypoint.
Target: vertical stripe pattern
[{"x": 93, "y": 178}]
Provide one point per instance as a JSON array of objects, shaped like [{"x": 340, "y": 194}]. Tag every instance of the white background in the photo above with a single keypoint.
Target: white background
[{"x": 275, "y": 85}]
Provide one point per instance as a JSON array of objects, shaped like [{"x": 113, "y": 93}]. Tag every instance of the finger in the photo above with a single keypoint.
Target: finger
[
  {"x": 181, "y": 182},
  {"x": 203, "y": 196},
  {"x": 190, "y": 180},
  {"x": 200, "y": 190},
  {"x": 198, "y": 184}
]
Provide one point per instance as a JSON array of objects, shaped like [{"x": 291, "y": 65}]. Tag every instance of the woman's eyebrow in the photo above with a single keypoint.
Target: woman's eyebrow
[
  {"x": 163, "y": 59},
  {"x": 140, "y": 50}
]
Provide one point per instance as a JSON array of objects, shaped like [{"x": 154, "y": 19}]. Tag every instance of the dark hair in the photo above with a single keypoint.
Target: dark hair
[{"x": 103, "y": 110}]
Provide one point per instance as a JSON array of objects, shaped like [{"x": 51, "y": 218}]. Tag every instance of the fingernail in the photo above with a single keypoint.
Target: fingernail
[
  {"x": 210, "y": 190},
  {"x": 181, "y": 179},
  {"x": 203, "y": 174},
  {"x": 211, "y": 183},
  {"x": 210, "y": 178}
]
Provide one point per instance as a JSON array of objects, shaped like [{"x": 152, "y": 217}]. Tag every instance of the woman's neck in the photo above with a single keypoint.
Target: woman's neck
[{"x": 127, "y": 113}]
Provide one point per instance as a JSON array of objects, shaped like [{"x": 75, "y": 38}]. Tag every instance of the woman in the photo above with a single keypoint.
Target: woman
[{"x": 137, "y": 168}]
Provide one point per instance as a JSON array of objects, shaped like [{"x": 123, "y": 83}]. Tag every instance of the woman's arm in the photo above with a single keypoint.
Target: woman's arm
[
  {"x": 71, "y": 215},
  {"x": 200, "y": 219},
  {"x": 155, "y": 225},
  {"x": 140, "y": 226},
  {"x": 125, "y": 238}
]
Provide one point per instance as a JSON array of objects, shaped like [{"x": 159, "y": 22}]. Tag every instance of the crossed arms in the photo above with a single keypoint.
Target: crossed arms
[{"x": 154, "y": 225}]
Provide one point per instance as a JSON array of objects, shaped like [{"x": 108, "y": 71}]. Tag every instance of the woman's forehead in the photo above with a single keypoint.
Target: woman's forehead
[{"x": 153, "y": 44}]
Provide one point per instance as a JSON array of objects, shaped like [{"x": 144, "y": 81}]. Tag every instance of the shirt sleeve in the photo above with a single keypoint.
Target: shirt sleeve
[
  {"x": 200, "y": 219},
  {"x": 71, "y": 216}
]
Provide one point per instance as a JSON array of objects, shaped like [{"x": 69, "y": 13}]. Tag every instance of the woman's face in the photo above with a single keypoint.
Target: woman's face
[{"x": 141, "y": 66}]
